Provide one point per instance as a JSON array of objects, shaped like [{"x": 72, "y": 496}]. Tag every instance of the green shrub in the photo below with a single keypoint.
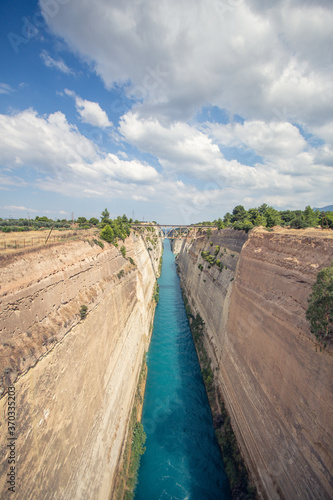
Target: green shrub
[
  {"x": 131, "y": 261},
  {"x": 121, "y": 273},
  {"x": 156, "y": 292},
  {"x": 83, "y": 311},
  {"x": 107, "y": 234},
  {"x": 123, "y": 250},
  {"x": 99, "y": 243},
  {"x": 320, "y": 310}
]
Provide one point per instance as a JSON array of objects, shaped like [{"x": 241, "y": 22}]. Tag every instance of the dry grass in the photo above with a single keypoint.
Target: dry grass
[
  {"x": 309, "y": 231},
  {"x": 11, "y": 243}
]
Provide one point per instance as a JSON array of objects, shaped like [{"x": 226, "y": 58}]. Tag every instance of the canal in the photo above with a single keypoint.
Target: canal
[{"x": 182, "y": 458}]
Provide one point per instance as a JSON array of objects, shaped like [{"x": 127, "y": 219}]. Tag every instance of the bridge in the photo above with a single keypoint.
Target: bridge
[{"x": 173, "y": 231}]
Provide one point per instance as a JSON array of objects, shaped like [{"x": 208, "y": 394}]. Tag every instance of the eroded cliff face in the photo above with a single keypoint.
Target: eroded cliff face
[
  {"x": 276, "y": 382},
  {"x": 74, "y": 379}
]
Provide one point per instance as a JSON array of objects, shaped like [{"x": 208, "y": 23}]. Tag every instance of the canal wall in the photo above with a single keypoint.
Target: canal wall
[
  {"x": 275, "y": 380},
  {"x": 74, "y": 371}
]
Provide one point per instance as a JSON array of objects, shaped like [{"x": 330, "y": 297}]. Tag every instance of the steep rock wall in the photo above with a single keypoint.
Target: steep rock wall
[
  {"x": 276, "y": 382},
  {"x": 74, "y": 379}
]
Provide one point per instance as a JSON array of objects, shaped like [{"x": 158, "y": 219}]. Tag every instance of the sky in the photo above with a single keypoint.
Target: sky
[{"x": 174, "y": 111}]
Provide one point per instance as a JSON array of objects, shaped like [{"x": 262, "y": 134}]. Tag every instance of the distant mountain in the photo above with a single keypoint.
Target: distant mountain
[{"x": 328, "y": 208}]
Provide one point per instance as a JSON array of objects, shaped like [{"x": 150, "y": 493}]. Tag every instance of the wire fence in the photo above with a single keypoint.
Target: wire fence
[{"x": 32, "y": 241}]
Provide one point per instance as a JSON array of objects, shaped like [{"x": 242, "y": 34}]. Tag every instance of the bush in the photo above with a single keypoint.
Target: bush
[
  {"x": 83, "y": 311},
  {"x": 156, "y": 292},
  {"x": 99, "y": 243},
  {"x": 299, "y": 223},
  {"x": 320, "y": 310},
  {"x": 107, "y": 234},
  {"x": 123, "y": 250},
  {"x": 121, "y": 273}
]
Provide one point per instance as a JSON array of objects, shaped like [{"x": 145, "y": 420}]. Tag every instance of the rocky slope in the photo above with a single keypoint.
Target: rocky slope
[
  {"x": 276, "y": 382},
  {"x": 74, "y": 378}
]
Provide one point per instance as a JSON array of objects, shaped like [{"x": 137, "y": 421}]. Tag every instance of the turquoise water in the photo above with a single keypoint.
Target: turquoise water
[{"x": 182, "y": 458}]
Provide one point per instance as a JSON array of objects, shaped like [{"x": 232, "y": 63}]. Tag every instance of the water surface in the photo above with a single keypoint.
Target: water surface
[{"x": 182, "y": 459}]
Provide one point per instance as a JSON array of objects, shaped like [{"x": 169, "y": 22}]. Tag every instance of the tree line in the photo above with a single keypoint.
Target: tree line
[
  {"x": 267, "y": 216},
  {"x": 119, "y": 225}
]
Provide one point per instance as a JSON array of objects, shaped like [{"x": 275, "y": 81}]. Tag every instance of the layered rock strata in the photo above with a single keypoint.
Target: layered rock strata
[
  {"x": 275, "y": 379},
  {"x": 74, "y": 378}
]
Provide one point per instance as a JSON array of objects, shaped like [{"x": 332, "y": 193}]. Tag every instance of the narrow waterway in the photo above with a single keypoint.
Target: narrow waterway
[{"x": 182, "y": 458}]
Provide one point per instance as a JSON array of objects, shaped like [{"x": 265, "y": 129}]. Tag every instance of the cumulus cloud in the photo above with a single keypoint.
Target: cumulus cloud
[
  {"x": 270, "y": 140},
  {"x": 178, "y": 146},
  {"x": 49, "y": 143},
  {"x": 289, "y": 165},
  {"x": 59, "y": 155},
  {"x": 52, "y": 63},
  {"x": 90, "y": 112},
  {"x": 252, "y": 57}
]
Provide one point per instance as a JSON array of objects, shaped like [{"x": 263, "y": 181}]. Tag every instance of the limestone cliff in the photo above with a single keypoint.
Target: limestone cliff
[
  {"x": 276, "y": 382},
  {"x": 74, "y": 378}
]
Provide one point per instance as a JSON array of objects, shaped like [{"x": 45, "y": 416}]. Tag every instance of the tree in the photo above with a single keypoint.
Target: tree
[
  {"x": 320, "y": 310},
  {"x": 253, "y": 213},
  {"x": 238, "y": 214},
  {"x": 93, "y": 221},
  {"x": 327, "y": 217},
  {"x": 272, "y": 217},
  {"x": 262, "y": 209},
  {"x": 107, "y": 233},
  {"x": 227, "y": 219},
  {"x": 311, "y": 216},
  {"x": 287, "y": 216},
  {"x": 299, "y": 223},
  {"x": 244, "y": 225},
  {"x": 81, "y": 220},
  {"x": 219, "y": 223},
  {"x": 260, "y": 221},
  {"x": 105, "y": 215}
]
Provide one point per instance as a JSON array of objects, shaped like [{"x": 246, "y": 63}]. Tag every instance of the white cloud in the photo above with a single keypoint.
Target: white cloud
[
  {"x": 290, "y": 168},
  {"x": 271, "y": 140},
  {"x": 46, "y": 143},
  {"x": 90, "y": 112},
  {"x": 5, "y": 88},
  {"x": 20, "y": 209},
  {"x": 254, "y": 58},
  {"x": 325, "y": 132},
  {"x": 52, "y": 63},
  {"x": 179, "y": 147},
  {"x": 62, "y": 159}
]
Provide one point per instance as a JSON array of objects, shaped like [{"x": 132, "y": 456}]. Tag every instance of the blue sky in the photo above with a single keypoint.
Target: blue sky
[{"x": 172, "y": 111}]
